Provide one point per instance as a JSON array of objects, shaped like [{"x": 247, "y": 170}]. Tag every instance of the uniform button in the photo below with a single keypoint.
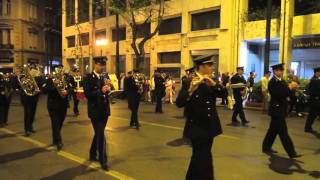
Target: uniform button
[
  {"x": 209, "y": 115},
  {"x": 197, "y": 95},
  {"x": 209, "y": 108},
  {"x": 208, "y": 102}
]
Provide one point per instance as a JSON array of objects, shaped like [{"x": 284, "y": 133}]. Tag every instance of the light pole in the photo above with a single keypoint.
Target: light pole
[{"x": 268, "y": 32}]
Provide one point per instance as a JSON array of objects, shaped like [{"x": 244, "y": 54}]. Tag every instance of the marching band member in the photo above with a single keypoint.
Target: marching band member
[
  {"x": 57, "y": 88},
  {"x": 238, "y": 94},
  {"x": 279, "y": 92},
  {"x": 134, "y": 92},
  {"x": 199, "y": 99},
  {"x": 96, "y": 89},
  {"x": 314, "y": 90}
]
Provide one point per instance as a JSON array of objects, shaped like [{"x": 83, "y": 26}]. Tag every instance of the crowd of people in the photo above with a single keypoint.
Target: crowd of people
[{"x": 198, "y": 93}]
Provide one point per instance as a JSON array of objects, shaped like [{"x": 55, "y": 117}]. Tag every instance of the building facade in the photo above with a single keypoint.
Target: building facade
[
  {"x": 232, "y": 30},
  {"x": 23, "y": 34}
]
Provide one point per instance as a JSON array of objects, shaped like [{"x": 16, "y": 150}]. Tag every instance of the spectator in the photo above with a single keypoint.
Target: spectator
[{"x": 265, "y": 92}]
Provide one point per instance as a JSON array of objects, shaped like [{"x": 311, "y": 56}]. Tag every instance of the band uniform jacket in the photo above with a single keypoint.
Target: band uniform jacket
[
  {"x": 237, "y": 91},
  {"x": 55, "y": 100},
  {"x": 314, "y": 92},
  {"x": 132, "y": 92},
  {"x": 200, "y": 111},
  {"x": 279, "y": 92},
  {"x": 160, "y": 89},
  {"x": 98, "y": 102}
]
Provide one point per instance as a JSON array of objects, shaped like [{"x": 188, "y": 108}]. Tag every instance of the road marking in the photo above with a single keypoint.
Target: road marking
[
  {"x": 69, "y": 156},
  {"x": 173, "y": 127}
]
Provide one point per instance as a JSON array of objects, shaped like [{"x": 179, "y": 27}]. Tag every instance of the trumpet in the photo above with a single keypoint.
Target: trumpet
[{"x": 199, "y": 79}]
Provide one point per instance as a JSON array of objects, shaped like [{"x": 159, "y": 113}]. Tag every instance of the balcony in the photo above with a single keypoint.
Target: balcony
[{"x": 6, "y": 47}]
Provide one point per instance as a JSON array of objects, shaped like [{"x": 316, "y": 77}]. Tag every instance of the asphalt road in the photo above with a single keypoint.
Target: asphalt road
[{"x": 155, "y": 152}]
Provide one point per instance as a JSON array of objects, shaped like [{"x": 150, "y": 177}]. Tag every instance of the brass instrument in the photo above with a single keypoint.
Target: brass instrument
[
  {"x": 139, "y": 79},
  {"x": 27, "y": 81},
  {"x": 59, "y": 81},
  {"x": 241, "y": 86},
  {"x": 199, "y": 79}
]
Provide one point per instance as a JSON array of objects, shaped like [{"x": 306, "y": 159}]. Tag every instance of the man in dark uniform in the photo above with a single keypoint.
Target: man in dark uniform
[
  {"x": 30, "y": 102},
  {"x": 279, "y": 92},
  {"x": 160, "y": 90},
  {"x": 57, "y": 105},
  {"x": 200, "y": 103},
  {"x": 314, "y": 92},
  {"x": 185, "y": 84},
  {"x": 133, "y": 95},
  {"x": 237, "y": 94},
  {"x": 6, "y": 90},
  {"x": 73, "y": 92},
  {"x": 96, "y": 89}
]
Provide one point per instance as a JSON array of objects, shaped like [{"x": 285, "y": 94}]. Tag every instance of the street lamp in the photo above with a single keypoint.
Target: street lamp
[{"x": 101, "y": 42}]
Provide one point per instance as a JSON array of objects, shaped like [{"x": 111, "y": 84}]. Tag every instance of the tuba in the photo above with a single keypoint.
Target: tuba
[
  {"x": 59, "y": 80},
  {"x": 27, "y": 81},
  {"x": 241, "y": 86},
  {"x": 139, "y": 79}
]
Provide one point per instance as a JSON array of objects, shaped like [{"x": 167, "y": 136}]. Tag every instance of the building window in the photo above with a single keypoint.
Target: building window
[
  {"x": 5, "y": 7},
  {"x": 5, "y": 36},
  {"x": 174, "y": 72},
  {"x": 122, "y": 34},
  {"x": 71, "y": 41},
  {"x": 83, "y": 11},
  {"x": 304, "y": 7},
  {"x": 70, "y": 11},
  {"x": 206, "y": 20},
  {"x": 143, "y": 30},
  {"x": 170, "y": 26},
  {"x": 170, "y": 58},
  {"x": 101, "y": 34},
  {"x": 121, "y": 64},
  {"x": 257, "y": 9},
  {"x": 99, "y": 8},
  {"x": 32, "y": 12},
  {"x": 84, "y": 39}
]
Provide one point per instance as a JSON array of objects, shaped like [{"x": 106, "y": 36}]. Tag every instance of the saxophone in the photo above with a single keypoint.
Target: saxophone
[
  {"x": 199, "y": 79},
  {"x": 27, "y": 81},
  {"x": 59, "y": 81}
]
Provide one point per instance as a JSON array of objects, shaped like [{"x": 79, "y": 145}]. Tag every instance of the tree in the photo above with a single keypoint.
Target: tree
[{"x": 137, "y": 14}]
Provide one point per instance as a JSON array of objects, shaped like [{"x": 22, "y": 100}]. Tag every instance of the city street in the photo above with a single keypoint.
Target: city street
[{"x": 154, "y": 152}]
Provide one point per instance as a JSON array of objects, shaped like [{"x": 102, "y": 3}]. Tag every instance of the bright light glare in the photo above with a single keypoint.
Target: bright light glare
[{"x": 101, "y": 42}]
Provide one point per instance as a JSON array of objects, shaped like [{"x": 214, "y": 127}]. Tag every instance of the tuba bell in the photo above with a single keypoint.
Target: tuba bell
[
  {"x": 27, "y": 81},
  {"x": 59, "y": 81},
  {"x": 139, "y": 79}
]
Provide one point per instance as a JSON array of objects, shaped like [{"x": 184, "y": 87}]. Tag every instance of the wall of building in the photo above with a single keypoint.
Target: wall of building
[{"x": 221, "y": 39}]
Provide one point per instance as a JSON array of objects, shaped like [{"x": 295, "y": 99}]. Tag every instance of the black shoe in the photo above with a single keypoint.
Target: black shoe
[
  {"x": 245, "y": 122},
  {"x": 93, "y": 159},
  {"x": 27, "y": 133},
  {"x": 270, "y": 151},
  {"x": 235, "y": 122},
  {"x": 295, "y": 156},
  {"x": 32, "y": 131},
  {"x": 309, "y": 130},
  {"x": 76, "y": 114},
  {"x": 105, "y": 167},
  {"x": 59, "y": 146}
]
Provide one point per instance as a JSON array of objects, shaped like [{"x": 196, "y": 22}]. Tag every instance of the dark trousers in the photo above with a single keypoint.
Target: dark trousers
[
  {"x": 98, "y": 145},
  {"x": 238, "y": 110},
  {"x": 134, "y": 113},
  {"x": 4, "y": 109},
  {"x": 159, "y": 103},
  {"x": 75, "y": 103},
  {"x": 30, "y": 107},
  {"x": 201, "y": 167},
  {"x": 313, "y": 114},
  {"x": 57, "y": 116},
  {"x": 278, "y": 126}
]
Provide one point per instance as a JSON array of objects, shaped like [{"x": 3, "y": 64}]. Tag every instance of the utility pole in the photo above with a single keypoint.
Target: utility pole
[
  {"x": 268, "y": 32},
  {"x": 117, "y": 46}
]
